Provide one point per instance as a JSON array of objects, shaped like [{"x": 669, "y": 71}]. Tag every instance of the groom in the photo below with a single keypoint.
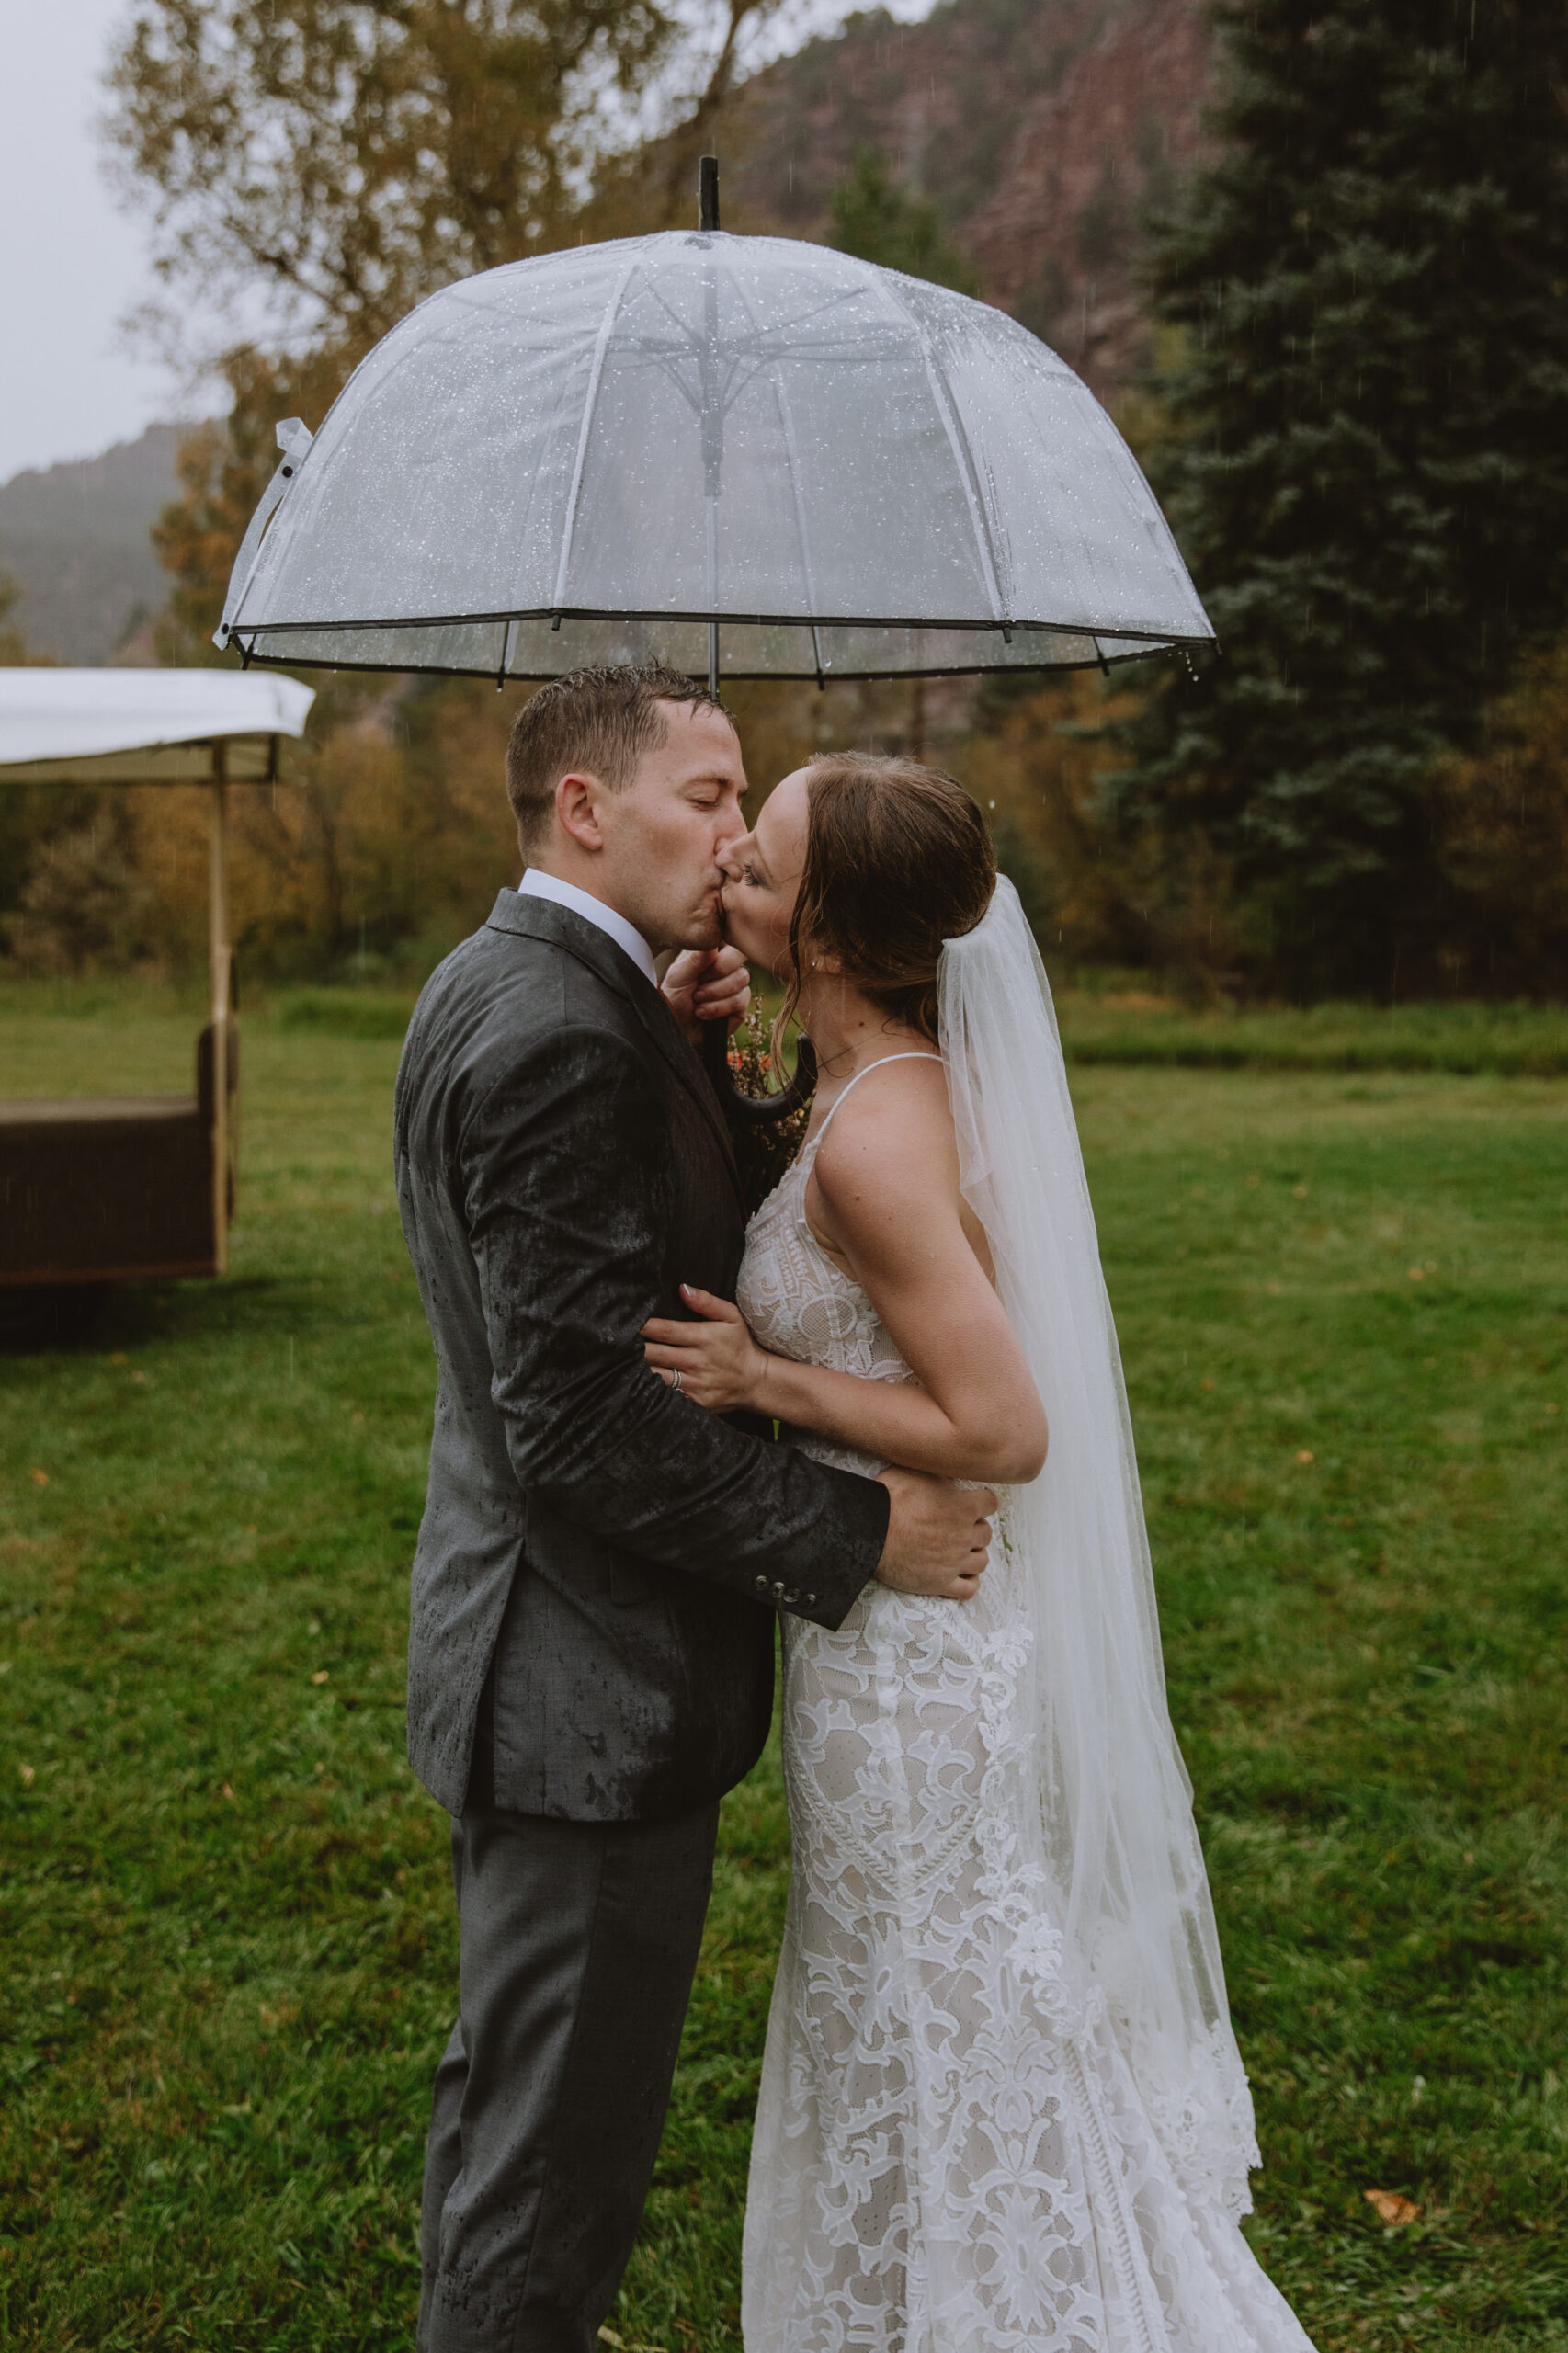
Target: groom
[{"x": 601, "y": 1562}]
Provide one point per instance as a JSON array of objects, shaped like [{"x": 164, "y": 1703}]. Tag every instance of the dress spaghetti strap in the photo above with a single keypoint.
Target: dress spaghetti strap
[{"x": 880, "y": 1064}]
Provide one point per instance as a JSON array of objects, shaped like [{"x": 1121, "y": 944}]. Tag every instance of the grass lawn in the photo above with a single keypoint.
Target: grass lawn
[{"x": 228, "y": 1958}]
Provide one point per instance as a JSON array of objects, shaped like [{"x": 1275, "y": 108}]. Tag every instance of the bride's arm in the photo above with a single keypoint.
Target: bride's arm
[{"x": 884, "y": 1201}]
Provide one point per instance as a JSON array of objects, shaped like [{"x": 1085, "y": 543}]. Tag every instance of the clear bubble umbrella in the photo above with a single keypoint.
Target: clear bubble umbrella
[{"x": 740, "y": 455}]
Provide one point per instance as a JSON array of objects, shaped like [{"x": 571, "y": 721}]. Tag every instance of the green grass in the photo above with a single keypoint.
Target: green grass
[
  {"x": 1512, "y": 1040},
  {"x": 228, "y": 1958},
  {"x": 1127, "y": 1027}
]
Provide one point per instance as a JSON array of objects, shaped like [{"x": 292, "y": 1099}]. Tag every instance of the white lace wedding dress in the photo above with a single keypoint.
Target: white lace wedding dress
[{"x": 951, "y": 2154}]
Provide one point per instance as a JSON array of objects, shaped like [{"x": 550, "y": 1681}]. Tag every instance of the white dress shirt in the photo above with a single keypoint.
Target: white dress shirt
[{"x": 534, "y": 885}]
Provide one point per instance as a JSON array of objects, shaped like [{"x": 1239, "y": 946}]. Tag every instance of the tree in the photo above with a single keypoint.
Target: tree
[
  {"x": 12, "y": 644},
  {"x": 1365, "y": 457},
  {"x": 1502, "y": 837},
  {"x": 341, "y": 159},
  {"x": 31, "y": 815},
  {"x": 876, "y": 219}
]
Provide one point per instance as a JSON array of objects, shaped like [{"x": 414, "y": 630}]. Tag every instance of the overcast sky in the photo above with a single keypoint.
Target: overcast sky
[{"x": 71, "y": 265}]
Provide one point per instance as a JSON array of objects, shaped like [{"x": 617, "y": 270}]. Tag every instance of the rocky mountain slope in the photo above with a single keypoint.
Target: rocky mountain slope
[{"x": 1044, "y": 129}]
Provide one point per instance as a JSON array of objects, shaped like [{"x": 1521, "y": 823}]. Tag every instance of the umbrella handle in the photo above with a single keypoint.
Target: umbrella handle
[{"x": 757, "y": 1111}]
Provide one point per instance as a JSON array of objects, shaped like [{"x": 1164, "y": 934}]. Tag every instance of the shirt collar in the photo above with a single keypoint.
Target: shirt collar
[{"x": 626, "y": 938}]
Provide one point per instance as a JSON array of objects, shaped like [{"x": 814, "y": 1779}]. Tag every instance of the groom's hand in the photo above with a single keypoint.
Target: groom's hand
[
  {"x": 706, "y": 984},
  {"x": 938, "y": 1536}
]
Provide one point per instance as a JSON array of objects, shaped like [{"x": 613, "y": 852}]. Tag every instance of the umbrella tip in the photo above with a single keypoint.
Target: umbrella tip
[{"x": 707, "y": 192}]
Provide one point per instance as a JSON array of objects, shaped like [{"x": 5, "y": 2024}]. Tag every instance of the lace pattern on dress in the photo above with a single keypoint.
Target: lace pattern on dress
[{"x": 951, "y": 2154}]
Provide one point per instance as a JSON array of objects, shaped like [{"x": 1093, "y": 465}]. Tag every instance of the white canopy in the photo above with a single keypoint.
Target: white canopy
[{"x": 48, "y": 714}]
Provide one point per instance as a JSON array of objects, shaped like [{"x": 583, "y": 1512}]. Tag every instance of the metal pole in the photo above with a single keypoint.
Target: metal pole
[
  {"x": 712, "y": 412},
  {"x": 218, "y": 926}
]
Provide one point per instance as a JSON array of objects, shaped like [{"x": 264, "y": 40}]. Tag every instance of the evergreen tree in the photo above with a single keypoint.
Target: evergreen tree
[
  {"x": 1367, "y": 459},
  {"x": 877, "y": 221}
]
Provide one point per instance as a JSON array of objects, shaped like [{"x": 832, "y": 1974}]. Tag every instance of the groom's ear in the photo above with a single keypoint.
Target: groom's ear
[{"x": 578, "y": 800}]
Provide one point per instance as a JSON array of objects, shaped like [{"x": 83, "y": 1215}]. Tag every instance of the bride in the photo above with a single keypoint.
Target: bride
[{"x": 1002, "y": 2106}]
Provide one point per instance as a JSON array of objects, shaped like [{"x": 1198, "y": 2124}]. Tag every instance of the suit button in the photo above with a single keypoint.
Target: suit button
[
  {"x": 810, "y": 1602},
  {"x": 759, "y": 1584}
]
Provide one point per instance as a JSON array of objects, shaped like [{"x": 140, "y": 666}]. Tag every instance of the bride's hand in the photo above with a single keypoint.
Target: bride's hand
[{"x": 718, "y": 1363}]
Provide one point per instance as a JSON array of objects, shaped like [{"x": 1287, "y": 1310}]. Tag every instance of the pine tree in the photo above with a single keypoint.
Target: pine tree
[
  {"x": 1367, "y": 456},
  {"x": 876, "y": 219}
]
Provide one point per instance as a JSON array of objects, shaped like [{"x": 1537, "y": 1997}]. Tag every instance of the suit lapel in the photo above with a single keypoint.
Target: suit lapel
[{"x": 565, "y": 928}]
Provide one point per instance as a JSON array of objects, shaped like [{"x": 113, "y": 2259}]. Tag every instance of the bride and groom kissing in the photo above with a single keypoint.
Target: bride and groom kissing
[{"x": 1001, "y": 2103}]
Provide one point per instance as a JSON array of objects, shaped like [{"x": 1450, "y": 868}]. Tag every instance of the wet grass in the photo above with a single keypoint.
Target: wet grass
[
  {"x": 1133, "y": 1028},
  {"x": 228, "y": 1954}
]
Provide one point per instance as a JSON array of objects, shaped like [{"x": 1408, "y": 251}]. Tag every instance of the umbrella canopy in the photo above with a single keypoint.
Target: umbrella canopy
[
  {"x": 738, "y": 453},
  {"x": 93, "y": 718}
]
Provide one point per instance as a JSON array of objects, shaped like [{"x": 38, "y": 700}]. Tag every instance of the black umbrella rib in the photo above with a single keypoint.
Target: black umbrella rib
[{"x": 1148, "y": 635}]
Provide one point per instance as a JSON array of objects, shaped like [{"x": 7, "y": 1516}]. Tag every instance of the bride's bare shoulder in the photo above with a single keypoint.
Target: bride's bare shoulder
[
  {"x": 893, "y": 1131},
  {"x": 884, "y": 1195}
]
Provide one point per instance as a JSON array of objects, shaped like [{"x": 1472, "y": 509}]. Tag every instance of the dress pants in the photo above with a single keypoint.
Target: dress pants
[{"x": 578, "y": 1944}]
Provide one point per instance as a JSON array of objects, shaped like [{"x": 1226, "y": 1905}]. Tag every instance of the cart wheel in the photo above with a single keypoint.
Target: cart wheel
[{"x": 47, "y": 1315}]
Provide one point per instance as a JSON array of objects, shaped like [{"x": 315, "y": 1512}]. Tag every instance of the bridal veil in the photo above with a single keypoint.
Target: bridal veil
[{"x": 1115, "y": 1798}]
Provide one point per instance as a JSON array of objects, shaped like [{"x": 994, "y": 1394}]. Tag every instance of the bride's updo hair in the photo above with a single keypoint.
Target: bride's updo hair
[{"x": 898, "y": 859}]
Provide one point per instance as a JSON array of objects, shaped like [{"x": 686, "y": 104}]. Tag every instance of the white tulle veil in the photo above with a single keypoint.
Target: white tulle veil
[{"x": 1120, "y": 1843}]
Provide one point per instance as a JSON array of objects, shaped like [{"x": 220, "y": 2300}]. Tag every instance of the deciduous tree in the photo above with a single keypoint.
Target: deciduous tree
[{"x": 337, "y": 159}]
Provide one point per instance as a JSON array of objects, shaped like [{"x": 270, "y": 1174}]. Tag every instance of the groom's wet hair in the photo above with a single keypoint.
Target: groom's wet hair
[{"x": 600, "y": 721}]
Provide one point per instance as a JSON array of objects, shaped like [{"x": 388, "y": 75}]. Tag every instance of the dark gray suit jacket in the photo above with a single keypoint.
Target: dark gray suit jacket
[{"x": 617, "y": 1552}]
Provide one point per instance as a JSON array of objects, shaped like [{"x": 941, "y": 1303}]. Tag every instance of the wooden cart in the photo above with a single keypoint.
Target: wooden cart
[{"x": 136, "y": 1188}]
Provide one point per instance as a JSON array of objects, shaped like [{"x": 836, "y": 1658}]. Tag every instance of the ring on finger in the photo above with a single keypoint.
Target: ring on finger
[{"x": 674, "y": 1380}]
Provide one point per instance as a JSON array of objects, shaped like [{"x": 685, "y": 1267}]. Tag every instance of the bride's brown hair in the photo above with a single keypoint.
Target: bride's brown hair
[{"x": 898, "y": 858}]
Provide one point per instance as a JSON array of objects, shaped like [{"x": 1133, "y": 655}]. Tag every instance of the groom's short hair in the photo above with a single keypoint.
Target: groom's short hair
[{"x": 599, "y": 721}]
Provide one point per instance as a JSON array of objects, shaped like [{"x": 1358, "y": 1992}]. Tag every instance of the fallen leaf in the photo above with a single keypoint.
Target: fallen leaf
[
  {"x": 119, "y": 1357},
  {"x": 29, "y": 1774},
  {"x": 1206, "y": 1383},
  {"x": 1305, "y": 1454},
  {"x": 1299, "y": 1191},
  {"x": 38, "y": 1478},
  {"x": 229, "y": 1793},
  {"x": 321, "y": 1674},
  {"x": 1391, "y": 2208},
  {"x": 1417, "y": 1275}
]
